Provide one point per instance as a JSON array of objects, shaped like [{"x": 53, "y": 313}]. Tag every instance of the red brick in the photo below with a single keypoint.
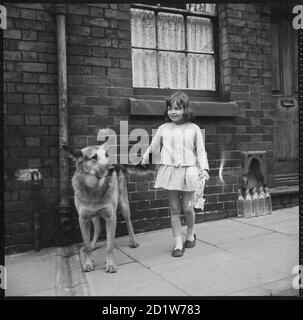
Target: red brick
[
  {"x": 31, "y": 67},
  {"x": 32, "y": 46},
  {"x": 105, "y": 62},
  {"x": 13, "y": 141},
  {"x": 80, "y": 30},
  {"x": 32, "y": 141},
  {"x": 98, "y": 22},
  {"x": 12, "y": 55},
  {"x": 12, "y": 34},
  {"x": 45, "y": 16},
  {"x": 13, "y": 98},
  {"x": 97, "y": 12},
  {"x": 13, "y": 12},
  {"x": 48, "y": 78},
  {"x": 78, "y": 9},
  {"x": 30, "y": 77},
  {"x": 48, "y": 99},
  {"x": 32, "y": 120},
  {"x": 49, "y": 120},
  {"x": 12, "y": 76},
  {"x": 37, "y": 88},
  {"x": 28, "y": 14},
  {"x": 29, "y": 56}
]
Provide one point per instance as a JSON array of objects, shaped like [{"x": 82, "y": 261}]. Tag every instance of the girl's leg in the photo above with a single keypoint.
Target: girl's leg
[
  {"x": 189, "y": 214},
  {"x": 175, "y": 208}
]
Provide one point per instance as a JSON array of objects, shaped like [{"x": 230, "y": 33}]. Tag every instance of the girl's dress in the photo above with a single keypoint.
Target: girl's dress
[{"x": 182, "y": 155}]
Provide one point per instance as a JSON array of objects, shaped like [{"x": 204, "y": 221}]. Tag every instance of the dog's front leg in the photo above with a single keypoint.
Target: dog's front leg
[
  {"x": 110, "y": 265},
  {"x": 85, "y": 226},
  {"x": 97, "y": 231}
]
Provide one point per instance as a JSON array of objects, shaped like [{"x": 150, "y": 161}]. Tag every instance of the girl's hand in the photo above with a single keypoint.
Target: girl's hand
[{"x": 204, "y": 174}]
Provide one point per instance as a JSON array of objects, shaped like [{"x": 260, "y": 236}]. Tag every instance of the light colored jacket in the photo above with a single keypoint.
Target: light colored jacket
[{"x": 178, "y": 145}]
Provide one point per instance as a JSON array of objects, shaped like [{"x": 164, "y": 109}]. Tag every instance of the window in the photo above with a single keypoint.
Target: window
[
  {"x": 173, "y": 47},
  {"x": 285, "y": 56}
]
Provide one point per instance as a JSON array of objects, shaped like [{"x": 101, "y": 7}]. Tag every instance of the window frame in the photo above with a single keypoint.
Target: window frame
[{"x": 185, "y": 13}]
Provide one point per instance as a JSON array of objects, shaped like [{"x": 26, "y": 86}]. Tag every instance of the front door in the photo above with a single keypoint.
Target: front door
[{"x": 285, "y": 93}]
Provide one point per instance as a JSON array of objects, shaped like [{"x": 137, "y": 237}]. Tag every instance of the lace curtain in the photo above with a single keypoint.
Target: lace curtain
[
  {"x": 201, "y": 72},
  {"x": 172, "y": 65},
  {"x": 144, "y": 62},
  {"x": 171, "y": 31},
  {"x": 172, "y": 69},
  {"x": 201, "y": 67}
]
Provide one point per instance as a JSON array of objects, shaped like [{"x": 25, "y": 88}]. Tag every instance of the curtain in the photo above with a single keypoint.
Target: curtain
[
  {"x": 171, "y": 31},
  {"x": 199, "y": 34},
  {"x": 201, "y": 72},
  {"x": 143, "y": 28},
  {"x": 144, "y": 62},
  {"x": 144, "y": 68},
  {"x": 172, "y": 65},
  {"x": 201, "y": 67},
  {"x": 172, "y": 70}
]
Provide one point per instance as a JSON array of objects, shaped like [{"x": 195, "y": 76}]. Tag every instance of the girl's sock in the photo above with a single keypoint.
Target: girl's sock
[
  {"x": 178, "y": 243},
  {"x": 190, "y": 234}
]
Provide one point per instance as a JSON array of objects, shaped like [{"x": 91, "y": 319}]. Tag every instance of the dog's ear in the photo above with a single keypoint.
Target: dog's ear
[{"x": 74, "y": 154}]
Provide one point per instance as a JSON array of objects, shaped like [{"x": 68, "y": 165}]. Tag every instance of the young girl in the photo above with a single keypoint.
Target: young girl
[{"x": 183, "y": 161}]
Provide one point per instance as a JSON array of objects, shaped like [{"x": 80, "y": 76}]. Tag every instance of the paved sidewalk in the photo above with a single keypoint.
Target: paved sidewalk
[{"x": 232, "y": 257}]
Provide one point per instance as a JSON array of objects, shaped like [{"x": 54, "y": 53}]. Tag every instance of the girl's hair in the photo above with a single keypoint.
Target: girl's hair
[{"x": 181, "y": 99}]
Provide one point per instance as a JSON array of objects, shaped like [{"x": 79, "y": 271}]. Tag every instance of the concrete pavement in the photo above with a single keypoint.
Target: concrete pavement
[{"x": 232, "y": 257}]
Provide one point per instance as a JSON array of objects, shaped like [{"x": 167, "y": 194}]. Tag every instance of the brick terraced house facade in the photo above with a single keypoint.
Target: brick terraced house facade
[{"x": 248, "y": 105}]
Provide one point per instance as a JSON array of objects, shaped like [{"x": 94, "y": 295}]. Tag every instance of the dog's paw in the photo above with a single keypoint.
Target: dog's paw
[
  {"x": 133, "y": 244},
  {"x": 88, "y": 265},
  {"x": 110, "y": 266}
]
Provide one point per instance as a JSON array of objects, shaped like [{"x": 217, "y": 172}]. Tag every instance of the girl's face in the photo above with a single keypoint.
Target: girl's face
[{"x": 175, "y": 113}]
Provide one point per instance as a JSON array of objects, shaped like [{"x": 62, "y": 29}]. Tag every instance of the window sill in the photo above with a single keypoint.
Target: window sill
[{"x": 200, "y": 108}]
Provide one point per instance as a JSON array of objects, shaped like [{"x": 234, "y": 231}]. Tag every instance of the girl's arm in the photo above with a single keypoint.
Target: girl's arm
[
  {"x": 153, "y": 147},
  {"x": 202, "y": 160}
]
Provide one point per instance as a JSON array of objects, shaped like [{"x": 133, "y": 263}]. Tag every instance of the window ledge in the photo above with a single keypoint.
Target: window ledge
[{"x": 200, "y": 108}]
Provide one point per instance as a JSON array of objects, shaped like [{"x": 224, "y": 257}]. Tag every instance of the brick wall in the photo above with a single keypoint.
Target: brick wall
[
  {"x": 31, "y": 120},
  {"x": 99, "y": 87},
  {"x": 247, "y": 58}
]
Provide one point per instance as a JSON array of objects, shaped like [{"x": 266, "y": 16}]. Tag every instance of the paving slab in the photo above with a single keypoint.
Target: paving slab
[
  {"x": 275, "y": 250},
  {"x": 155, "y": 249},
  {"x": 30, "y": 273},
  {"x": 288, "y": 227},
  {"x": 251, "y": 292},
  {"x": 281, "y": 287},
  {"x": 275, "y": 217},
  {"x": 132, "y": 279},
  {"x": 216, "y": 274},
  {"x": 44, "y": 293},
  {"x": 226, "y": 231},
  {"x": 99, "y": 256}
]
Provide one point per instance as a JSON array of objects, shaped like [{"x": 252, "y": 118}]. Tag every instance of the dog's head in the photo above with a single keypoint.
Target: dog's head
[{"x": 93, "y": 159}]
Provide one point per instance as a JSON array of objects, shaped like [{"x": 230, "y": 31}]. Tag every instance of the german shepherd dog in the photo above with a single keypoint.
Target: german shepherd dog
[{"x": 99, "y": 190}]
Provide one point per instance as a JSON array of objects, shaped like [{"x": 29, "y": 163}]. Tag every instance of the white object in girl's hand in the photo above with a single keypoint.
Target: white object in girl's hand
[
  {"x": 198, "y": 196},
  {"x": 204, "y": 175}
]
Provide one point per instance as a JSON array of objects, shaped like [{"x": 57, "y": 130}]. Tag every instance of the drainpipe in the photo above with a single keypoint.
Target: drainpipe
[
  {"x": 36, "y": 183},
  {"x": 64, "y": 205}
]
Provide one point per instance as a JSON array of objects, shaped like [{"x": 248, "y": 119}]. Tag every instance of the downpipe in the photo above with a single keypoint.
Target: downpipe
[
  {"x": 64, "y": 204},
  {"x": 36, "y": 184}
]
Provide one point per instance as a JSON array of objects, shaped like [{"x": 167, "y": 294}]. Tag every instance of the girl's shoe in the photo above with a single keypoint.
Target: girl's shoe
[
  {"x": 190, "y": 244},
  {"x": 178, "y": 252}
]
